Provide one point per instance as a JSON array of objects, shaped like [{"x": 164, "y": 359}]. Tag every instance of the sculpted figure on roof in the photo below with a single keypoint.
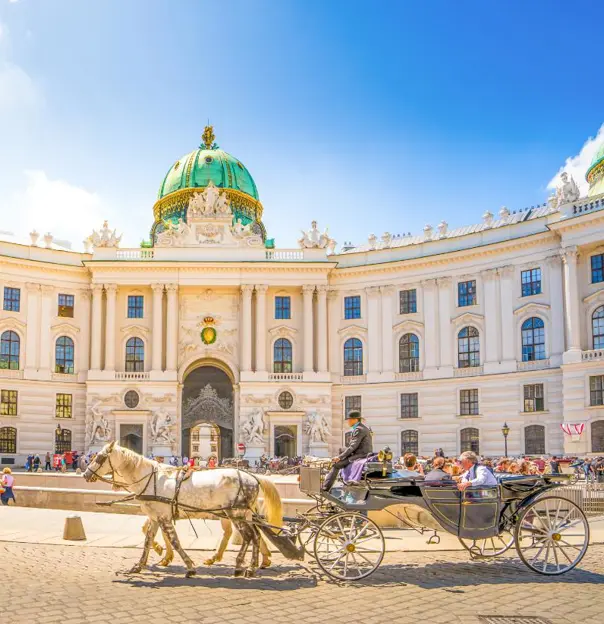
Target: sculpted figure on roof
[
  {"x": 567, "y": 191},
  {"x": 105, "y": 237},
  {"x": 210, "y": 202},
  {"x": 313, "y": 239}
]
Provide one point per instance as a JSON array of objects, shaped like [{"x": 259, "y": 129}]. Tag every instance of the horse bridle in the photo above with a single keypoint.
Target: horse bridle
[{"x": 104, "y": 456}]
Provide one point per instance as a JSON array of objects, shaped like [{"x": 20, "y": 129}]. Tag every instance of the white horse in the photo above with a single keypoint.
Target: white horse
[{"x": 228, "y": 493}]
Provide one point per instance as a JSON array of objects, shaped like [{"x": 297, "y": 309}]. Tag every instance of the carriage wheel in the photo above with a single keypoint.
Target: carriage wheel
[
  {"x": 314, "y": 517},
  {"x": 551, "y": 535},
  {"x": 490, "y": 546},
  {"x": 349, "y": 547}
]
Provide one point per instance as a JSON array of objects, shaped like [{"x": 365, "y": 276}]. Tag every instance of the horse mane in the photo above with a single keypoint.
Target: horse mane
[{"x": 132, "y": 460}]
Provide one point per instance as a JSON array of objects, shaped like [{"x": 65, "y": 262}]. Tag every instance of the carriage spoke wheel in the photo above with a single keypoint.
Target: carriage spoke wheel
[
  {"x": 314, "y": 517},
  {"x": 490, "y": 546},
  {"x": 349, "y": 547},
  {"x": 551, "y": 535}
]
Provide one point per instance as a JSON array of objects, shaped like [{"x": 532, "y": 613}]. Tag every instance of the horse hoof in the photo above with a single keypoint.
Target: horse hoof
[
  {"x": 239, "y": 573},
  {"x": 135, "y": 570},
  {"x": 190, "y": 573},
  {"x": 265, "y": 564},
  {"x": 209, "y": 562},
  {"x": 249, "y": 574},
  {"x": 165, "y": 562},
  {"x": 158, "y": 549}
]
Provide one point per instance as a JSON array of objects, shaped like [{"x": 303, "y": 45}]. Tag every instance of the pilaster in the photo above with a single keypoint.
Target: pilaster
[
  {"x": 490, "y": 280},
  {"x": 374, "y": 323},
  {"x": 430, "y": 305},
  {"x": 307, "y": 295},
  {"x": 554, "y": 264},
  {"x": 44, "y": 369},
  {"x": 387, "y": 337},
  {"x": 508, "y": 333},
  {"x": 111, "y": 294},
  {"x": 31, "y": 339},
  {"x": 571, "y": 308},
  {"x": 444, "y": 324},
  {"x": 322, "y": 328},
  {"x": 172, "y": 328},
  {"x": 246, "y": 327},
  {"x": 261, "y": 328},
  {"x": 95, "y": 327},
  {"x": 157, "y": 337}
]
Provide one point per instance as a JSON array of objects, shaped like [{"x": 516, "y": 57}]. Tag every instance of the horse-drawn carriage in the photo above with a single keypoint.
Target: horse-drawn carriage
[{"x": 550, "y": 532}]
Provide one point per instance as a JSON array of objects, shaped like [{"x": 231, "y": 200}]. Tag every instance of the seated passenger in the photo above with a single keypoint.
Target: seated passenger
[
  {"x": 438, "y": 473},
  {"x": 410, "y": 463},
  {"x": 475, "y": 474}
]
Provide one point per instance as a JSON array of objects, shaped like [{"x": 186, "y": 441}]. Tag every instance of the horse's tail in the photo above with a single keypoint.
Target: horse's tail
[{"x": 273, "y": 506}]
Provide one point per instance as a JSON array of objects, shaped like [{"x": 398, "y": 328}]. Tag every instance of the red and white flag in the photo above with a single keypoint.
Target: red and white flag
[{"x": 573, "y": 428}]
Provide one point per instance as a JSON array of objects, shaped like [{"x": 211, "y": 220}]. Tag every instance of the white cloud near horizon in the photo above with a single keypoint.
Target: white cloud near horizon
[{"x": 577, "y": 165}]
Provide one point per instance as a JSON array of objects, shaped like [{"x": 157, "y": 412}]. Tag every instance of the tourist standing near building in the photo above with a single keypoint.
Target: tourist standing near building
[{"x": 7, "y": 484}]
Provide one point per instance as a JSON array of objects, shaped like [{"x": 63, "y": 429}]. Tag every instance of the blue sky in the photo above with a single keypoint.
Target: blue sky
[{"x": 368, "y": 116}]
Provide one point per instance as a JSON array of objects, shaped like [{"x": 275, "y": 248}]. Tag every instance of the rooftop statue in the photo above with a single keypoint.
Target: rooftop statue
[
  {"x": 174, "y": 235},
  {"x": 567, "y": 191},
  {"x": 313, "y": 239},
  {"x": 105, "y": 237},
  {"x": 210, "y": 202}
]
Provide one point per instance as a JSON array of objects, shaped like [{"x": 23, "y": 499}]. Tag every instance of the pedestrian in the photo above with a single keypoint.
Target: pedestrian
[
  {"x": 554, "y": 465},
  {"x": 82, "y": 462},
  {"x": 36, "y": 463},
  {"x": 7, "y": 486},
  {"x": 47, "y": 461},
  {"x": 74, "y": 460}
]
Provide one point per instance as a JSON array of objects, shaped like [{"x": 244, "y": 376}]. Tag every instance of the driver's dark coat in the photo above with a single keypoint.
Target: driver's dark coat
[{"x": 360, "y": 444}]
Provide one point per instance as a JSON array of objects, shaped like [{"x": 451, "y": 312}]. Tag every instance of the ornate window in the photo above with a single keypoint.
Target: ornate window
[
  {"x": 596, "y": 390},
  {"x": 468, "y": 402},
  {"x": 533, "y": 339},
  {"x": 466, "y": 293},
  {"x": 352, "y": 404},
  {"x": 469, "y": 440},
  {"x": 286, "y": 400},
  {"x": 62, "y": 441},
  {"x": 597, "y": 326},
  {"x": 136, "y": 305},
  {"x": 533, "y": 398},
  {"x": 64, "y": 355},
  {"x": 468, "y": 347},
  {"x": 408, "y": 354},
  {"x": 10, "y": 345},
  {"x": 353, "y": 357},
  {"x": 531, "y": 282},
  {"x": 597, "y": 268},
  {"x": 135, "y": 355},
  {"x": 64, "y": 406},
  {"x": 409, "y": 442},
  {"x": 12, "y": 299},
  {"x": 283, "y": 308},
  {"x": 65, "y": 306},
  {"x": 534, "y": 440},
  {"x": 8, "y": 440},
  {"x": 8, "y": 405},
  {"x": 409, "y": 405},
  {"x": 131, "y": 399},
  {"x": 597, "y": 436},
  {"x": 408, "y": 301},
  {"x": 282, "y": 360},
  {"x": 352, "y": 307}
]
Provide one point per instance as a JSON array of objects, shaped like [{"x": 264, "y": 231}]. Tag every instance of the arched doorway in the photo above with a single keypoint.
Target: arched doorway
[{"x": 207, "y": 413}]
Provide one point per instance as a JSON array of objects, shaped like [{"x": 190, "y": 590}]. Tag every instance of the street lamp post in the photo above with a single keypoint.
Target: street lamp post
[{"x": 505, "y": 430}]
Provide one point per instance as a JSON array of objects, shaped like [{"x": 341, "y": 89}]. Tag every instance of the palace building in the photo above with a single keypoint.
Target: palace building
[{"x": 208, "y": 335}]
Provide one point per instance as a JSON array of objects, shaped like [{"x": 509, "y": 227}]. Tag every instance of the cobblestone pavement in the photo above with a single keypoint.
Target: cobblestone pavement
[{"x": 45, "y": 584}]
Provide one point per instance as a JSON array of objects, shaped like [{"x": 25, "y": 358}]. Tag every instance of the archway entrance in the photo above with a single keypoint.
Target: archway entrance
[{"x": 207, "y": 413}]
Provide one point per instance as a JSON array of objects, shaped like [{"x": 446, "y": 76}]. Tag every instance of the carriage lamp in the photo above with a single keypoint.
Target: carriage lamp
[
  {"x": 505, "y": 430},
  {"x": 385, "y": 455}
]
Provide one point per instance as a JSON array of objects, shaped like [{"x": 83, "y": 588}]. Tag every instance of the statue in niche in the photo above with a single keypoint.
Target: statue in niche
[
  {"x": 317, "y": 427},
  {"x": 252, "y": 428},
  {"x": 99, "y": 430}
]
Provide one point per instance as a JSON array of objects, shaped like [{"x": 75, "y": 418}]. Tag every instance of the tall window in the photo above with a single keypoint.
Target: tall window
[
  {"x": 533, "y": 339},
  {"x": 469, "y": 440},
  {"x": 135, "y": 355},
  {"x": 408, "y": 301},
  {"x": 64, "y": 355},
  {"x": 136, "y": 306},
  {"x": 353, "y": 357},
  {"x": 8, "y": 405},
  {"x": 468, "y": 402},
  {"x": 10, "y": 345},
  {"x": 534, "y": 440},
  {"x": 282, "y": 360},
  {"x": 62, "y": 441},
  {"x": 352, "y": 307},
  {"x": 597, "y": 436},
  {"x": 409, "y": 405},
  {"x": 466, "y": 293},
  {"x": 596, "y": 390},
  {"x": 531, "y": 282},
  {"x": 409, "y": 442},
  {"x": 66, "y": 304},
  {"x": 352, "y": 404},
  {"x": 64, "y": 406},
  {"x": 597, "y": 268},
  {"x": 12, "y": 299},
  {"x": 8, "y": 440},
  {"x": 533, "y": 398},
  {"x": 468, "y": 347},
  {"x": 597, "y": 326},
  {"x": 408, "y": 354},
  {"x": 283, "y": 307}
]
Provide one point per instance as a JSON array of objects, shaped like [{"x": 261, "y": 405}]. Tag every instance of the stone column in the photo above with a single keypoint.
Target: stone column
[
  {"x": 322, "y": 327},
  {"x": 491, "y": 316},
  {"x": 307, "y": 294},
  {"x": 571, "y": 301},
  {"x": 374, "y": 322},
  {"x": 172, "y": 328},
  {"x": 31, "y": 344},
  {"x": 444, "y": 318},
  {"x": 95, "y": 327},
  {"x": 45, "y": 322},
  {"x": 261, "y": 327},
  {"x": 84, "y": 344},
  {"x": 157, "y": 338},
  {"x": 509, "y": 340},
  {"x": 431, "y": 329},
  {"x": 111, "y": 293},
  {"x": 246, "y": 327},
  {"x": 335, "y": 357},
  {"x": 556, "y": 298},
  {"x": 387, "y": 338}
]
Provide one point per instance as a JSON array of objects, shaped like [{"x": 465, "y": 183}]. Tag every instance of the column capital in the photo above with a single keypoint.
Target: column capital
[
  {"x": 506, "y": 271},
  {"x": 47, "y": 289},
  {"x": 444, "y": 281},
  {"x": 322, "y": 289},
  {"x": 172, "y": 288},
  {"x": 569, "y": 254},
  {"x": 32, "y": 288},
  {"x": 157, "y": 288},
  {"x": 111, "y": 288},
  {"x": 372, "y": 291},
  {"x": 332, "y": 293},
  {"x": 84, "y": 295},
  {"x": 554, "y": 261},
  {"x": 489, "y": 274},
  {"x": 247, "y": 289},
  {"x": 96, "y": 288},
  {"x": 308, "y": 289},
  {"x": 387, "y": 290},
  {"x": 428, "y": 284},
  {"x": 261, "y": 289}
]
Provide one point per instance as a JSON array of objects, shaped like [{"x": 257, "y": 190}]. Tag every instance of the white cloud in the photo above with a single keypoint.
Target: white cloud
[
  {"x": 18, "y": 93},
  {"x": 577, "y": 165}
]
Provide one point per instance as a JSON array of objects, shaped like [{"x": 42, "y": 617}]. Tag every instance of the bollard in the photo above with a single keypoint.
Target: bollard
[{"x": 74, "y": 529}]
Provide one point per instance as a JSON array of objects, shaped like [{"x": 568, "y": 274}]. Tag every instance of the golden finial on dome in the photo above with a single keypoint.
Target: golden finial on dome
[{"x": 208, "y": 136}]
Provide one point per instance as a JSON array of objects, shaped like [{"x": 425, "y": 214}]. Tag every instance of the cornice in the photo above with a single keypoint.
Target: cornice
[
  {"x": 598, "y": 295},
  {"x": 532, "y": 305}
]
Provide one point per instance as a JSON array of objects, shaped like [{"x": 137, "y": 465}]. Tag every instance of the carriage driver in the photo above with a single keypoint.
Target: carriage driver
[
  {"x": 474, "y": 474},
  {"x": 360, "y": 446}
]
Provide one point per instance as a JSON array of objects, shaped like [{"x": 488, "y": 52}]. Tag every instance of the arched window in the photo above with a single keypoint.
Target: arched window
[
  {"x": 282, "y": 356},
  {"x": 62, "y": 441},
  {"x": 8, "y": 440},
  {"x": 597, "y": 436},
  {"x": 408, "y": 354},
  {"x": 353, "y": 357},
  {"x": 135, "y": 355},
  {"x": 64, "y": 355},
  {"x": 468, "y": 348},
  {"x": 10, "y": 344},
  {"x": 534, "y": 440},
  {"x": 533, "y": 340},
  {"x": 597, "y": 326},
  {"x": 470, "y": 440},
  {"x": 409, "y": 442}
]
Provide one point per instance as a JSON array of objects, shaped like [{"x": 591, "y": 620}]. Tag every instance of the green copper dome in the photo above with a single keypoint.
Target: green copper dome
[{"x": 595, "y": 173}]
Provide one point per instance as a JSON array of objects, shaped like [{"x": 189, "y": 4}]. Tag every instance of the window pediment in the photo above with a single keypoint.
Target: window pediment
[
  {"x": 595, "y": 296},
  {"x": 468, "y": 318},
  {"x": 12, "y": 323},
  {"x": 283, "y": 331},
  {"x": 352, "y": 330},
  {"x": 531, "y": 308},
  {"x": 408, "y": 326},
  {"x": 135, "y": 329},
  {"x": 64, "y": 328}
]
